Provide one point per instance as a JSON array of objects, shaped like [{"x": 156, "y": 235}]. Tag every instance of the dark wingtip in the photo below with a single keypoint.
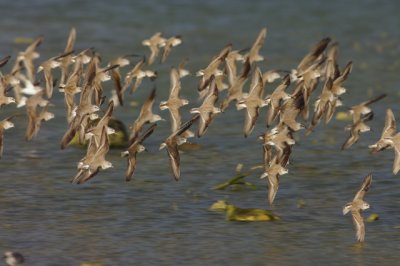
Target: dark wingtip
[{"x": 4, "y": 60}]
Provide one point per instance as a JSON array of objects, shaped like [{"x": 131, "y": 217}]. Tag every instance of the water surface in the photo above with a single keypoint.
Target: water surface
[{"x": 154, "y": 220}]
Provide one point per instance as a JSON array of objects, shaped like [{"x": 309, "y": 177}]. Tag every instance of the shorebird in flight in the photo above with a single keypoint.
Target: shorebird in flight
[
  {"x": 207, "y": 110},
  {"x": 13, "y": 258},
  {"x": 154, "y": 43},
  {"x": 174, "y": 102},
  {"x": 168, "y": 44},
  {"x": 135, "y": 148},
  {"x": 172, "y": 143},
  {"x": 388, "y": 132},
  {"x": 253, "y": 102},
  {"x": 357, "y": 206},
  {"x": 146, "y": 115},
  {"x": 4, "y": 125},
  {"x": 254, "y": 54}
]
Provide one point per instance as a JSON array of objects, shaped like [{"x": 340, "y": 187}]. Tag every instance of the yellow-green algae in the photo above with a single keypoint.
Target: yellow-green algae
[
  {"x": 234, "y": 213},
  {"x": 373, "y": 217},
  {"x": 237, "y": 180}
]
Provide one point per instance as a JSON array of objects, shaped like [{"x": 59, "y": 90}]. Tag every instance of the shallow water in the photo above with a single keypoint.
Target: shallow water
[{"x": 154, "y": 220}]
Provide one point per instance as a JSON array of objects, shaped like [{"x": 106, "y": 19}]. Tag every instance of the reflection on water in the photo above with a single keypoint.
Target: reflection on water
[{"x": 155, "y": 220}]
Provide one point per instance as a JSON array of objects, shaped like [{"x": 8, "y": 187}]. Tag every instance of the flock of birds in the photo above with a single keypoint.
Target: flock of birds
[{"x": 83, "y": 73}]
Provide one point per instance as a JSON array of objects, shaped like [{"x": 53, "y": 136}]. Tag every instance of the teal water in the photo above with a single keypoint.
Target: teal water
[{"x": 154, "y": 220}]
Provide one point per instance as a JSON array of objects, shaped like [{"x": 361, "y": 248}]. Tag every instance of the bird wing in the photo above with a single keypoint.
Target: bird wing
[
  {"x": 174, "y": 158},
  {"x": 1, "y": 141},
  {"x": 313, "y": 55},
  {"x": 353, "y": 138},
  {"x": 366, "y": 184},
  {"x": 273, "y": 185},
  {"x": 250, "y": 120},
  {"x": 116, "y": 76},
  {"x": 390, "y": 124},
  {"x": 257, "y": 45},
  {"x": 131, "y": 166},
  {"x": 396, "y": 162},
  {"x": 359, "y": 224},
  {"x": 175, "y": 83},
  {"x": 175, "y": 119}
]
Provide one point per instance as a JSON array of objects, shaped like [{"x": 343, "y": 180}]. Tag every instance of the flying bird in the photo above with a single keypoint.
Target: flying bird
[
  {"x": 253, "y": 102},
  {"x": 154, "y": 43},
  {"x": 171, "y": 144},
  {"x": 135, "y": 148},
  {"x": 13, "y": 258},
  {"x": 4, "y": 125},
  {"x": 207, "y": 110},
  {"x": 388, "y": 132},
  {"x": 357, "y": 206}
]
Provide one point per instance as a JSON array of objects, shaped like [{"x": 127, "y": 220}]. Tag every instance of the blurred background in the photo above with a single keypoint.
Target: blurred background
[{"x": 155, "y": 220}]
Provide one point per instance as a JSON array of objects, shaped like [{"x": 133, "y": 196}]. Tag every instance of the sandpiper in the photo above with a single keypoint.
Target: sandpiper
[
  {"x": 85, "y": 110},
  {"x": 357, "y": 206},
  {"x": 362, "y": 109},
  {"x": 183, "y": 72},
  {"x": 46, "y": 67},
  {"x": 94, "y": 160},
  {"x": 355, "y": 130},
  {"x": 272, "y": 171},
  {"x": 13, "y": 258},
  {"x": 172, "y": 143},
  {"x": 388, "y": 132},
  {"x": 207, "y": 110},
  {"x": 271, "y": 75},
  {"x": 27, "y": 57},
  {"x": 280, "y": 137},
  {"x": 70, "y": 88},
  {"x": 308, "y": 72},
  {"x": 310, "y": 61},
  {"x": 138, "y": 74},
  {"x": 154, "y": 43},
  {"x": 145, "y": 116},
  {"x": 174, "y": 102},
  {"x": 12, "y": 79},
  {"x": 5, "y": 100},
  {"x": 253, "y": 102},
  {"x": 361, "y": 113},
  {"x": 337, "y": 86},
  {"x": 100, "y": 75},
  {"x": 135, "y": 148},
  {"x": 323, "y": 105},
  {"x": 96, "y": 130},
  {"x": 212, "y": 68},
  {"x": 290, "y": 109},
  {"x": 254, "y": 53},
  {"x": 116, "y": 77},
  {"x": 394, "y": 142},
  {"x": 331, "y": 69},
  {"x": 168, "y": 44},
  {"x": 276, "y": 98},
  {"x": 36, "y": 117},
  {"x": 4, "y": 125},
  {"x": 235, "y": 91},
  {"x": 230, "y": 65}
]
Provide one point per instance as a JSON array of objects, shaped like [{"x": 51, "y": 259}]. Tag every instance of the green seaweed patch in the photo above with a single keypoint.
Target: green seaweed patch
[
  {"x": 234, "y": 213},
  {"x": 237, "y": 181},
  {"x": 373, "y": 217}
]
